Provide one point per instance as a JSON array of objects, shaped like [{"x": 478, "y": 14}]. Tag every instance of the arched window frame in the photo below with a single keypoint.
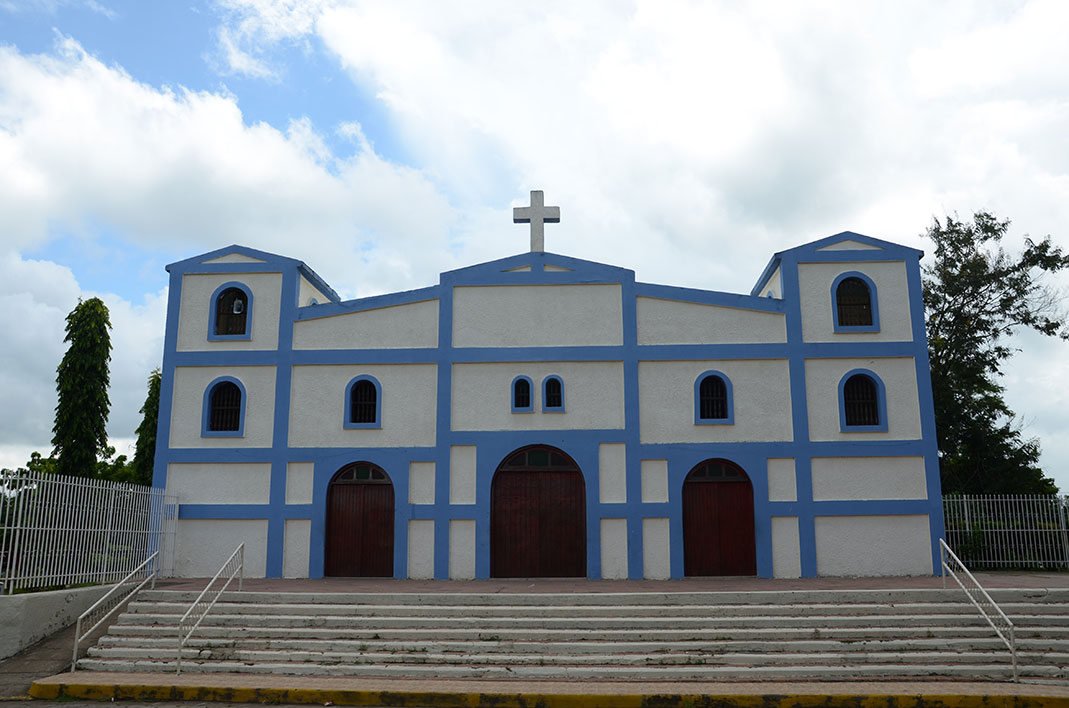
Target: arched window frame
[
  {"x": 881, "y": 404},
  {"x": 206, "y": 412},
  {"x": 698, "y": 420},
  {"x": 512, "y": 395},
  {"x": 546, "y": 408},
  {"x": 347, "y": 421},
  {"x": 873, "y": 304},
  {"x": 213, "y": 311}
]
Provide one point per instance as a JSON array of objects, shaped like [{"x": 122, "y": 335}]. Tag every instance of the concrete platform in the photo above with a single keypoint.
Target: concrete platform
[{"x": 480, "y": 693}]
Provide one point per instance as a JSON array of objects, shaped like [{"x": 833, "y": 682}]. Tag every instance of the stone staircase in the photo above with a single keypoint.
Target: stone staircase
[{"x": 810, "y": 634}]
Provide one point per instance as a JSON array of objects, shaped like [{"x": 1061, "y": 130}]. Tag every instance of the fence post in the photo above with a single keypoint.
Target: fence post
[{"x": 1061, "y": 529}]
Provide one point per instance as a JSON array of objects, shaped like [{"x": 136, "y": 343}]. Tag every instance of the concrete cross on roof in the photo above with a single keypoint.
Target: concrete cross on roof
[{"x": 536, "y": 215}]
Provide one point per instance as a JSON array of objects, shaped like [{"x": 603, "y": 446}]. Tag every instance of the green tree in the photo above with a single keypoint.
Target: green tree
[
  {"x": 80, "y": 436},
  {"x": 145, "y": 449},
  {"x": 975, "y": 296}
]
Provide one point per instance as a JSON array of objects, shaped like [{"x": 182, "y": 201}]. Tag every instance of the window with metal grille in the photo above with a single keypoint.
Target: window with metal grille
[
  {"x": 713, "y": 398},
  {"x": 853, "y": 300},
  {"x": 225, "y": 407},
  {"x": 553, "y": 395},
  {"x": 861, "y": 401},
  {"x": 231, "y": 312},
  {"x": 363, "y": 404},
  {"x": 521, "y": 394}
]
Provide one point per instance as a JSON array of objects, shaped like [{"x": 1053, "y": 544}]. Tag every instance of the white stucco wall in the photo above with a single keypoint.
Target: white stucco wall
[
  {"x": 656, "y": 561},
  {"x": 401, "y": 326},
  {"x": 537, "y": 316},
  {"x": 675, "y": 322},
  {"x": 593, "y": 396},
  {"x": 190, "y": 383},
  {"x": 899, "y": 376},
  {"x": 762, "y": 401},
  {"x": 421, "y": 483},
  {"x": 409, "y": 398},
  {"x": 873, "y": 545},
  {"x": 307, "y": 292},
  {"x": 852, "y": 478},
  {"x": 421, "y": 549},
  {"x": 461, "y": 549},
  {"x": 612, "y": 473},
  {"x": 296, "y": 548},
  {"x": 234, "y": 258},
  {"x": 203, "y": 545},
  {"x": 786, "y": 556},
  {"x": 849, "y": 245},
  {"x": 195, "y": 310},
  {"x": 774, "y": 284},
  {"x": 299, "y": 481},
  {"x": 782, "y": 485},
  {"x": 892, "y": 300},
  {"x": 654, "y": 480},
  {"x": 614, "y": 549},
  {"x": 462, "y": 459},
  {"x": 220, "y": 483}
]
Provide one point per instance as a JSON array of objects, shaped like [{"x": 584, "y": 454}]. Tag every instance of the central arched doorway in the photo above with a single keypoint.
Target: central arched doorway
[
  {"x": 359, "y": 539},
  {"x": 718, "y": 521},
  {"x": 538, "y": 516}
]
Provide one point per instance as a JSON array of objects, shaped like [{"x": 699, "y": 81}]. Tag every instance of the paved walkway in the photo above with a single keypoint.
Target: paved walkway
[{"x": 45, "y": 664}]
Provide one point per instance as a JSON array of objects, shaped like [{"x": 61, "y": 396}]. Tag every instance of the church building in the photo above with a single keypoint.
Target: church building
[{"x": 545, "y": 416}]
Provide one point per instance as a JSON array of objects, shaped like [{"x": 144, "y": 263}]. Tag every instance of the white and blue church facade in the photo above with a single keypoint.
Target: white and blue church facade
[{"x": 544, "y": 416}]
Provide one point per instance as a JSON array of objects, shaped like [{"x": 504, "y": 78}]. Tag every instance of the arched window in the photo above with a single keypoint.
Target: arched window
[
  {"x": 712, "y": 399},
  {"x": 521, "y": 395},
  {"x": 553, "y": 394},
  {"x": 231, "y": 305},
  {"x": 854, "y": 296},
  {"x": 224, "y": 408},
  {"x": 862, "y": 402},
  {"x": 363, "y": 403}
]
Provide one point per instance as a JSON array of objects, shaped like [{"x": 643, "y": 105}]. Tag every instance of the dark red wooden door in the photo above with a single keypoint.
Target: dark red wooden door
[
  {"x": 538, "y": 516},
  {"x": 360, "y": 510},
  {"x": 718, "y": 521}
]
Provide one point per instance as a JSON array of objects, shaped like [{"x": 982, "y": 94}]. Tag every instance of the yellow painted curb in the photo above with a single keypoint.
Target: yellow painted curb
[{"x": 429, "y": 699}]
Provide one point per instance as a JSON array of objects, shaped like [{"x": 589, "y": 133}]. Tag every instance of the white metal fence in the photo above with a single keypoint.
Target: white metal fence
[
  {"x": 993, "y": 532},
  {"x": 57, "y": 531}
]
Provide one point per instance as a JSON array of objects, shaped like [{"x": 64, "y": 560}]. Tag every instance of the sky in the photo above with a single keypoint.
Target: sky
[{"x": 384, "y": 142}]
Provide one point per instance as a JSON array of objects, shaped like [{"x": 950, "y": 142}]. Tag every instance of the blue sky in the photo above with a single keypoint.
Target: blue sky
[{"x": 382, "y": 143}]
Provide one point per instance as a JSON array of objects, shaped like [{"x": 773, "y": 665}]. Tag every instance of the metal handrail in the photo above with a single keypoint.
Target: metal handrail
[
  {"x": 187, "y": 620},
  {"x": 79, "y": 637},
  {"x": 1008, "y": 637}
]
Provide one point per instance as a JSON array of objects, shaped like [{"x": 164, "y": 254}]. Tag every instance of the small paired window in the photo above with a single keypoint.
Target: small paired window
[
  {"x": 552, "y": 395},
  {"x": 224, "y": 408},
  {"x": 862, "y": 402},
  {"x": 854, "y": 299},
  {"x": 521, "y": 395},
  {"x": 231, "y": 307},
  {"x": 713, "y": 399},
  {"x": 363, "y": 403}
]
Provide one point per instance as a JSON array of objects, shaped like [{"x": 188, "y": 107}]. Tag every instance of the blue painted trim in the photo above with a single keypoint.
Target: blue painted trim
[
  {"x": 873, "y": 303},
  {"x": 881, "y": 404},
  {"x": 730, "y": 419},
  {"x": 213, "y": 312},
  {"x": 709, "y": 297},
  {"x": 530, "y": 395},
  {"x": 206, "y": 410},
  {"x": 311, "y": 312},
  {"x": 347, "y": 421},
  {"x": 553, "y": 409}
]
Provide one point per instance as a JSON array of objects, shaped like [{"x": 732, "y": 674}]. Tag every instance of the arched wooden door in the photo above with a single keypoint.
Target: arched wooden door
[
  {"x": 718, "y": 522},
  {"x": 359, "y": 539},
  {"x": 538, "y": 516}
]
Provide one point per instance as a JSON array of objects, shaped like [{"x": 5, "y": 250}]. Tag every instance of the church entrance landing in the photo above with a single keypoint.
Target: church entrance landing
[
  {"x": 538, "y": 516},
  {"x": 718, "y": 521},
  {"x": 359, "y": 523}
]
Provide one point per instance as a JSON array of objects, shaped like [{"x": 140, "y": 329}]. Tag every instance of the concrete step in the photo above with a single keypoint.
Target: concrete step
[
  {"x": 952, "y": 644},
  {"x": 988, "y": 670}
]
